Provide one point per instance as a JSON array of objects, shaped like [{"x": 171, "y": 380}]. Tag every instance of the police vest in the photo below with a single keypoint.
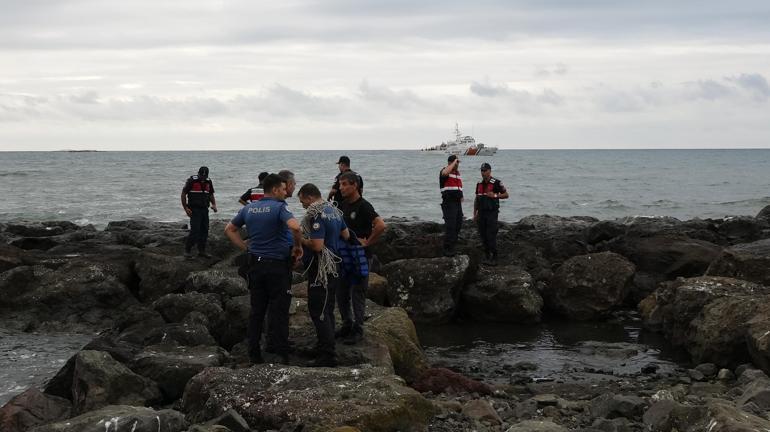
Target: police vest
[
  {"x": 485, "y": 202},
  {"x": 198, "y": 195},
  {"x": 451, "y": 186},
  {"x": 256, "y": 193}
]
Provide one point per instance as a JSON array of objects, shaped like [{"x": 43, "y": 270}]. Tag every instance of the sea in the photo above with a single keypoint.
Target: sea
[{"x": 99, "y": 187}]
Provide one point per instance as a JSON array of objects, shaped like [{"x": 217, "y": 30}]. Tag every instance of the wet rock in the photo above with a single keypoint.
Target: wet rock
[
  {"x": 673, "y": 306},
  {"x": 546, "y": 399},
  {"x": 98, "y": 380},
  {"x": 650, "y": 368},
  {"x": 536, "y": 426},
  {"x": 725, "y": 375},
  {"x": 741, "y": 229},
  {"x": 120, "y": 417},
  {"x": 746, "y": 261},
  {"x": 709, "y": 370},
  {"x": 407, "y": 240},
  {"x": 750, "y": 375},
  {"x": 502, "y": 294},
  {"x": 427, "y": 288},
  {"x": 162, "y": 274},
  {"x": 396, "y": 330},
  {"x": 175, "y": 307},
  {"x": 237, "y": 311},
  {"x": 756, "y": 393},
  {"x": 225, "y": 284},
  {"x": 614, "y": 425},
  {"x": 173, "y": 366},
  {"x": 377, "y": 290},
  {"x": 232, "y": 421},
  {"x": 268, "y": 396},
  {"x": 555, "y": 238},
  {"x": 526, "y": 409},
  {"x": 764, "y": 214},
  {"x": 481, "y": 410},
  {"x": 10, "y": 257},
  {"x": 722, "y": 416},
  {"x": 611, "y": 406},
  {"x": 695, "y": 375},
  {"x": 442, "y": 380},
  {"x": 33, "y": 408},
  {"x": 664, "y": 415},
  {"x": 590, "y": 286},
  {"x": 758, "y": 339}
]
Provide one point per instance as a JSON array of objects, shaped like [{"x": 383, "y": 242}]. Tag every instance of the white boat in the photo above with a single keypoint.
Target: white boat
[{"x": 461, "y": 146}]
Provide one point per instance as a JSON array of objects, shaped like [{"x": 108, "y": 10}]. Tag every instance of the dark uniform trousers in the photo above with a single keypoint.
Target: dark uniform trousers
[
  {"x": 350, "y": 294},
  {"x": 270, "y": 289},
  {"x": 453, "y": 222},
  {"x": 199, "y": 229},
  {"x": 320, "y": 302},
  {"x": 487, "y": 223}
]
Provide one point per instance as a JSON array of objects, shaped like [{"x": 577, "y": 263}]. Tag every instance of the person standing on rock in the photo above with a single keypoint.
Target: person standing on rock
[
  {"x": 486, "y": 206},
  {"x": 324, "y": 229},
  {"x": 197, "y": 195},
  {"x": 451, "y": 184},
  {"x": 361, "y": 218},
  {"x": 344, "y": 166},
  {"x": 267, "y": 222},
  {"x": 255, "y": 193}
]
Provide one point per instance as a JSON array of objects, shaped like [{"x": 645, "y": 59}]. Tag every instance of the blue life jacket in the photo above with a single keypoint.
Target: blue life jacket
[{"x": 355, "y": 266}]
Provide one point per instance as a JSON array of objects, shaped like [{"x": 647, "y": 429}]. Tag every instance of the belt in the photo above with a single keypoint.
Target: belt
[{"x": 257, "y": 258}]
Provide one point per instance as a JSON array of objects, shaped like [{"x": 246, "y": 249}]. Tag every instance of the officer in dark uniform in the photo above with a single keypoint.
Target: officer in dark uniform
[
  {"x": 256, "y": 192},
  {"x": 197, "y": 194},
  {"x": 451, "y": 184},
  {"x": 344, "y": 166},
  {"x": 267, "y": 222},
  {"x": 486, "y": 206}
]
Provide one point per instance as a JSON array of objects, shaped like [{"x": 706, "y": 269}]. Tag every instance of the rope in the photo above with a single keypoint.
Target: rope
[{"x": 327, "y": 260}]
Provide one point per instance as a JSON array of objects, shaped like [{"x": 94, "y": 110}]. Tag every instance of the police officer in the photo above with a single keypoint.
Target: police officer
[
  {"x": 344, "y": 166},
  {"x": 255, "y": 193},
  {"x": 451, "y": 184},
  {"x": 325, "y": 228},
  {"x": 197, "y": 194},
  {"x": 361, "y": 218},
  {"x": 267, "y": 222},
  {"x": 486, "y": 206}
]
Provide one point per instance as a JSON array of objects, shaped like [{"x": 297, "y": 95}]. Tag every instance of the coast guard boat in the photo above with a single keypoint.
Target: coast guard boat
[{"x": 461, "y": 146}]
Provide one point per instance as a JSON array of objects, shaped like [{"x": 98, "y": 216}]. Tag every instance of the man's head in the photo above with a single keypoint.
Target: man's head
[
  {"x": 486, "y": 171},
  {"x": 349, "y": 184},
  {"x": 262, "y": 175},
  {"x": 308, "y": 194},
  {"x": 274, "y": 186},
  {"x": 451, "y": 159},
  {"x": 343, "y": 163},
  {"x": 288, "y": 177},
  {"x": 203, "y": 172}
]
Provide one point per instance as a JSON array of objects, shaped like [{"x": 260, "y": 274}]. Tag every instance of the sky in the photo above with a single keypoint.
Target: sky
[{"x": 386, "y": 74}]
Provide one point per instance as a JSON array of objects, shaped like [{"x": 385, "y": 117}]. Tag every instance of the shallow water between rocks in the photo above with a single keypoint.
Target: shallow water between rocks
[
  {"x": 503, "y": 353},
  {"x": 494, "y": 353}
]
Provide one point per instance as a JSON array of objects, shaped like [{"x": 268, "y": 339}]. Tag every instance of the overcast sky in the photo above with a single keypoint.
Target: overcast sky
[{"x": 361, "y": 74}]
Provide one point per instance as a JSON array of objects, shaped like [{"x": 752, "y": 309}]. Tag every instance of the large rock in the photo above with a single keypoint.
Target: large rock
[
  {"x": 718, "y": 333},
  {"x": 98, "y": 380},
  {"x": 502, "y": 294},
  {"x": 612, "y": 406},
  {"x": 589, "y": 286},
  {"x": 427, "y": 288},
  {"x": 673, "y": 306},
  {"x": 722, "y": 416},
  {"x": 173, "y": 366},
  {"x": 175, "y": 307},
  {"x": 758, "y": 338},
  {"x": 222, "y": 283},
  {"x": 764, "y": 214},
  {"x": 442, "y": 380},
  {"x": 162, "y": 274},
  {"x": 33, "y": 408},
  {"x": 747, "y": 261},
  {"x": 396, "y": 330},
  {"x": 320, "y": 399},
  {"x": 121, "y": 418},
  {"x": 405, "y": 240}
]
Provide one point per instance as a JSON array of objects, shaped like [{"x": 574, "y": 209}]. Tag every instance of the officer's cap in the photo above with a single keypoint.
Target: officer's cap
[{"x": 485, "y": 166}]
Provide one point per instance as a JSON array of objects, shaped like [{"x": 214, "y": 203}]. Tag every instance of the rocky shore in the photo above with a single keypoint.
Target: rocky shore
[{"x": 170, "y": 355}]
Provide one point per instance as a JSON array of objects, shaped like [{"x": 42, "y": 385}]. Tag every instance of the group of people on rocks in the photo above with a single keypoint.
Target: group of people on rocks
[{"x": 331, "y": 243}]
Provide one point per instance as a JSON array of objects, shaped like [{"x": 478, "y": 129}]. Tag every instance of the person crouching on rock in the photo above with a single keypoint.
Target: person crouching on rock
[
  {"x": 197, "y": 194},
  {"x": 267, "y": 223},
  {"x": 324, "y": 229}
]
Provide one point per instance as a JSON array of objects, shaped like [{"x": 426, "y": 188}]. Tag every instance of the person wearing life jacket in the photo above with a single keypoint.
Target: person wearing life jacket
[
  {"x": 451, "y": 184},
  {"x": 255, "y": 193},
  {"x": 197, "y": 195},
  {"x": 489, "y": 192}
]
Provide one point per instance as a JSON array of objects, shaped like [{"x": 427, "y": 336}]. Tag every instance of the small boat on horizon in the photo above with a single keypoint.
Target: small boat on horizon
[{"x": 461, "y": 146}]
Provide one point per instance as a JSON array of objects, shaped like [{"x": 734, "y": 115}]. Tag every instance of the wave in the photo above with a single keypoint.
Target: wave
[
  {"x": 749, "y": 202},
  {"x": 664, "y": 203}
]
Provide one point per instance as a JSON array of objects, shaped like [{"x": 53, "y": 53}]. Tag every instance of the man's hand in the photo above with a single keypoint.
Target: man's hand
[
  {"x": 491, "y": 194},
  {"x": 188, "y": 210},
  {"x": 296, "y": 253},
  {"x": 364, "y": 242},
  {"x": 214, "y": 207}
]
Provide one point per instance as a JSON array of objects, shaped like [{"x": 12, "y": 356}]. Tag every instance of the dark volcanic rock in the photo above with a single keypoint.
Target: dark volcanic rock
[
  {"x": 416, "y": 239},
  {"x": 747, "y": 261},
  {"x": 33, "y": 408},
  {"x": 589, "y": 286},
  {"x": 427, "y": 288},
  {"x": 502, "y": 294},
  {"x": 98, "y": 380},
  {"x": 764, "y": 214},
  {"x": 612, "y": 406},
  {"x": 758, "y": 338},
  {"x": 161, "y": 274},
  {"x": 319, "y": 399},
  {"x": 121, "y": 418},
  {"x": 218, "y": 282},
  {"x": 175, "y": 307}
]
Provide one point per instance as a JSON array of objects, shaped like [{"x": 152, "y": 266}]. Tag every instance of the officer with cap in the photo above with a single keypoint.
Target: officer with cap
[
  {"x": 489, "y": 192},
  {"x": 197, "y": 194},
  {"x": 255, "y": 193},
  {"x": 451, "y": 184},
  {"x": 267, "y": 221},
  {"x": 344, "y": 166}
]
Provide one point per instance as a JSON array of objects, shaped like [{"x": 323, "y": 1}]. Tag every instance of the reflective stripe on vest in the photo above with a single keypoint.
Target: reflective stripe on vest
[{"x": 453, "y": 182}]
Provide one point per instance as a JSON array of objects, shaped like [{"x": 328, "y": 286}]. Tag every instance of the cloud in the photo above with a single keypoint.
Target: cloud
[
  {"x": 755, "y": 84},
  {"x": 522, "y": 100}
]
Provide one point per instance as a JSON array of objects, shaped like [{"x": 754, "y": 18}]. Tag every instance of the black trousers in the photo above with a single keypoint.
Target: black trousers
[
  {"x": 351, "y": 299},
  {"x": 487, "y": 224},
  {"x": 453, "y": 222},
  {"x": 199, "y": 229},
  {"x": 320, "y": 302},
  {"x": 270, "y": 289}
]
